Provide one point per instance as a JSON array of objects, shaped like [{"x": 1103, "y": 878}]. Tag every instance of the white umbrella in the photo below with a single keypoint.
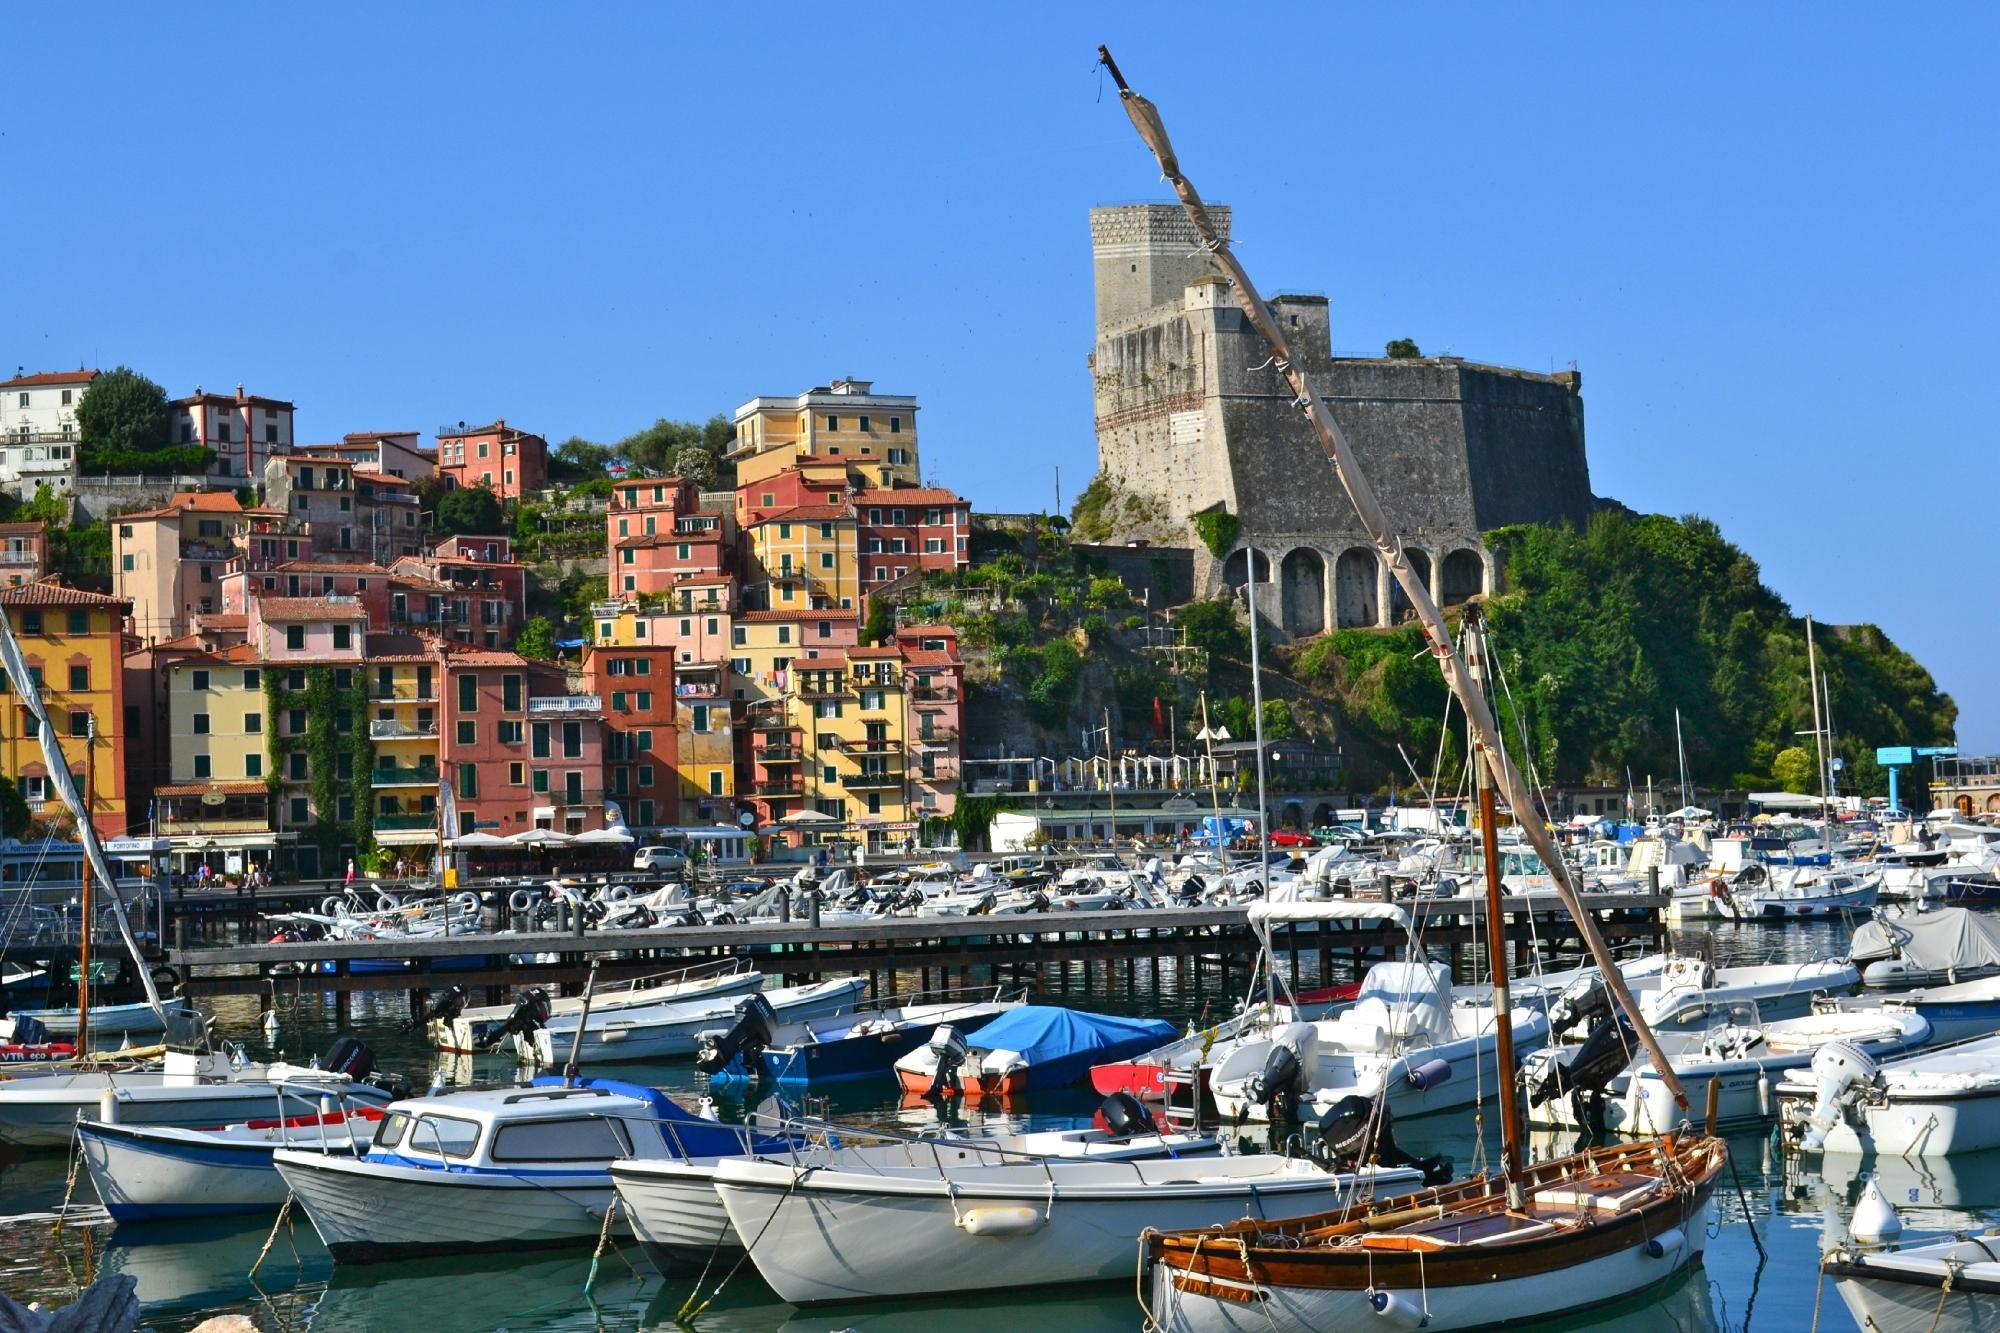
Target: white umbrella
[
  {"x": 478, "y": 840},
  {"x": 603, "y": 835},
  {"x": 539, "y": 837},
  {"x": 808, "y": 817}
]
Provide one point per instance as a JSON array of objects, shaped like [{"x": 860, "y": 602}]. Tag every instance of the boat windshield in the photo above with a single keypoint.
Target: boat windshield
[{"x": 186, "y": 1032}]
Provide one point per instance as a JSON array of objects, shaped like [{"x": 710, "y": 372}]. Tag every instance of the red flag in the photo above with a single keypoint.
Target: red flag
[{"x": 1159, "y": 718}]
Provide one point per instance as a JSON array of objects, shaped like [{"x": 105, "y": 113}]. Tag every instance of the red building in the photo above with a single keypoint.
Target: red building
[
  {"x": 505, "y": 459},
  {"x": 657, "y": 537},
  {"x": 910, "y": 529},
  {"x": 935, "y": 728},
  {"x": 641, "y": 742},
  {"x": 520, "y": 752}
]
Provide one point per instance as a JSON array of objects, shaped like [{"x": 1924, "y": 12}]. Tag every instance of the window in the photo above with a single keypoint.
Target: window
[
  {"x": 784, "y": 532},
  {"x": 895, "y": 425},
  {"x": 298, "y": 767},
  {"x": 468, "y": 781},
  {"x": 699, "y": 716},
  {"x": 295, "y": 637},
  {"x": 829, "y": 774},
  {"x": 832, "y": 423},
  {"x": 201, "y": 724},
  {"x": 681, "y": 551},
  {"x": 645, "y": 780},
  {"x": 468, "y": 693},
  {"x": 343, "y": 636},
  {"x": 540, "y": 780},
  {"x": 510, "y": 694},
  {"x": 784, "y": 634},
  {"x": 645, "y": 701},
  {"x": 541, "y": 739},
  {"x": 572, "y": 740},
  {"x": 510, "y": 733},
  {"x": 468, "y": 733},
  {"x": 31, "y": 726},
  {"x": 584, "y": 1139},
  {"x": 253, "y": 679},
  {"x": 79, "y": 622},
  {"x": 517, "y": 774},
  {"x": 201, "y": 769},
  {"x": 31, "y": 622},
  {"x": 253, "y": 724},
  {"x": 618, "y": 702},
  {"x": 431, "y": 1134},
  {"x": 300, "y": 812},
  {"x": 125, "y": 563},
  {"x": 79, "y": 724},
  {"x": 897, "y": 457},
  {"x": 643, "y": 665},
  {"x": 295, "y": 680},
  {"x": 645, "y": 741},
  {"x": 253, "y": 765},
  {"x": 933, "y": 546},
  {"x": 715, "y": 782},
  {"x": 871, "y": 699}
]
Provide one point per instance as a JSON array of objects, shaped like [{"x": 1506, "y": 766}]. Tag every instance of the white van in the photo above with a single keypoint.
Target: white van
[{"x": 658, "y": 858}]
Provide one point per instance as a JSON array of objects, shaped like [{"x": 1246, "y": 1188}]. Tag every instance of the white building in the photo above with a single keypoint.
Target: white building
[
  {"x": 243, "y": 432},
  {"x": 38, "y": 430}
]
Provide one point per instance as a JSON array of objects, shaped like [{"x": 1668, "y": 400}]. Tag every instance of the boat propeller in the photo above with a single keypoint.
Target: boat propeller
[
  {"x": 756, "y": 1023},
  {"x": 1355, "y": 1130},
  {"x": 531, "y": 1011}
]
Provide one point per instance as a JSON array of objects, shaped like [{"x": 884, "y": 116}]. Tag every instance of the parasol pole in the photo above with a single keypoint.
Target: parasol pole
[{"x": 1146, "y": 120}]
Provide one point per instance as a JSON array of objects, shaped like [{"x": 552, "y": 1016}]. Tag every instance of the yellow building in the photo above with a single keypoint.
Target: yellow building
[
  {"x": 704, "y": 755},
  {"x": 403, "y": 727},
  {"x": 874, "y": 435},
  {"x": 852, "y": 716},
  {"x": 766, "y": 646},
  {"x": 803, "y": 558},
  {"x": 74, "y": 643},
  {"x": 215, "y": 807}
]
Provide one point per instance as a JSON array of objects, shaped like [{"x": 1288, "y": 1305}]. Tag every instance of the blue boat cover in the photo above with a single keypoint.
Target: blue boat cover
[{"x": 1060, "y": 1045}]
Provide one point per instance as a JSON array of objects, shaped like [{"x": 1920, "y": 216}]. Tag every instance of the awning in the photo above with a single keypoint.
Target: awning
[
  {"x": 1347, "y": 909},
  {"x": 602, "y": 835},
  {"x": 479, "y": 840},
  {"x": 406, "y": 837},
  {"x": 227, "y": 842}
]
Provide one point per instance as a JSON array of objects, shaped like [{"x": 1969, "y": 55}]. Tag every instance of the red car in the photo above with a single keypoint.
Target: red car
[{"x": 1286, "y": 837}]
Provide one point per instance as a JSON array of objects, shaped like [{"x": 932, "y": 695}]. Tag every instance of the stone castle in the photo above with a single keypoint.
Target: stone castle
[{"x": 1191, "y": 417}]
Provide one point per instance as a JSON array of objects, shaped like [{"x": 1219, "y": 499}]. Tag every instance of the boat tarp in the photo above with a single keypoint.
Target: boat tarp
[
  {"x": 1264, "y": 912},
  {"x": 1060, "y": 1045},
  {"x": 1950, "y": 937}
]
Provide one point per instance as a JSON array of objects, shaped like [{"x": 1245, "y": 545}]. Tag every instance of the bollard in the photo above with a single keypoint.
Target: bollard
[
  {"x": 815, "y": 912},
  {"x": 576, "y": 919},
  {"x": 785, "y": 908}
]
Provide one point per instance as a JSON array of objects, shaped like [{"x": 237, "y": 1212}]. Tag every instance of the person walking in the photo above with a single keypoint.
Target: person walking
[{"x": 350, "y": 872}]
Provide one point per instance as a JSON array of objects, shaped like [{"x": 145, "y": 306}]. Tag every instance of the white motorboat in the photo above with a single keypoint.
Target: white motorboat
[
  {"x": 109, "y": 1020},
  {"x": 498, "y": 1169},
  {"x": 1598, "y": 1086},
  {"x": 459, "y": 1029},
  {"x": 1942, "y": 1287},
  {"x": 1941, "y": 947},
  {"x": 1797, "y": 892},
  {"x": 879, "y": 1232},
  {"x": 1403, "y": 1039},
  {"x": 186, "y": 1089},
  {"x": 682, "y": 1223},
  {"x": 150, "y": 1173},
  {"x": 668, "y": 1030},
  {"x": 1687, "y": 991},
  {"x": 1932, "y": 1103}
]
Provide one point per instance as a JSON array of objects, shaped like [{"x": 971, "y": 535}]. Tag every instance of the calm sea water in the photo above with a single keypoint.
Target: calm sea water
[{"x": 187, "y": 1272}]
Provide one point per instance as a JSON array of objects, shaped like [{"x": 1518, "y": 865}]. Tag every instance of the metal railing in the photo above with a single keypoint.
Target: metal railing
[
  {"x": 566, "y": 705},
  {"x": 378, "y": 730}
]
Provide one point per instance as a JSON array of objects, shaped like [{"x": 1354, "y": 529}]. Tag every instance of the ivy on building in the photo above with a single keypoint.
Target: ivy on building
[
  {"x": 336, "y": 725},
  {"x": 1218, "y": 530}
]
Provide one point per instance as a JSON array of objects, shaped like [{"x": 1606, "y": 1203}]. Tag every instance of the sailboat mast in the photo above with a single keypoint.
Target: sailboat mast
[
  {"x": 1257, "y": 730},
  {"x": 1145, "y": 119},
  {"x": 1819, "y": 734},
  {"x": 83, "y": 938},
  {"x": 1681, "y": 752},
  {"x": 1511, "y": 1157}
]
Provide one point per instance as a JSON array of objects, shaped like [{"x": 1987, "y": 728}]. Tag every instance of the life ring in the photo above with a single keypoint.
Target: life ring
[
  {"x": 330, "y": 906},
  {"x": 620, "y": 893},
  {"x": 1717, "y": 889},
  {"x": 466, "y": 902},
  {"x": 387, "y": 902},
  {"x": 520, "y": 900}
]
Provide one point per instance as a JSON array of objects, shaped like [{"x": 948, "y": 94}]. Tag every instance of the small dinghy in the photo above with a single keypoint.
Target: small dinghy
[
  {"x": 1034, "y": 1046},
  {"x": 1934, "y": 1103},
  {"x": 1942, "y": 1287}
]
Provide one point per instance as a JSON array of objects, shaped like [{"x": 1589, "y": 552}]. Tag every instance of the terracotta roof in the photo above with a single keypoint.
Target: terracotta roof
[
  {"x": 785, "y": 617},
  {"x": 890, "y": 651},
  {"x": 381, "y": 478},
  {"x": 48, "y": 592},
  {"x": 835, "y": 659},
  {"x": 805, "y": 514},
  {"x": 50, "y": 377},
  {"x": 23, "y": 527},
  {"x": 368, "y": 437},
  {"x": 499, "y": 427},
  {"x": 310, "y": 609},
  {"x": 203, "y": 788},
  {"x": 228, "y": 398},
  {"x": 911, "y": 495},
  {"x": 930, "y": 657},
  {"x": 329, "y": 567},
  {"x": 926, "y": 632},
  {"x": 469, "y": 656},
  {"x": 322, "y": 459},
  {"x": 202, "y": 502},
  {"x": 648, "y": 540},
  {"x": 224, "y": 620}
]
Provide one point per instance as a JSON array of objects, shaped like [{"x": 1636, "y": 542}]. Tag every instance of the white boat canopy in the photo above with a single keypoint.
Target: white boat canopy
[{"x": 1264, "y": 913}]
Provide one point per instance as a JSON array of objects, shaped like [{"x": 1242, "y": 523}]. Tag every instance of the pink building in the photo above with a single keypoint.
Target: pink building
[
  {"x": 520, "y": 751},
  {"x": 364, "y": 583},
  {"x": 935, "y": 728},
  {"x": 307, "y": 629},
  {"x": 911, "y": 529},
  {"x": 24, "y": 552},
  {"x": 506, "y": 460}
]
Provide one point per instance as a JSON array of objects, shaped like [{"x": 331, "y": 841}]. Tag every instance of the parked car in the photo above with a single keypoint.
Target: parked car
[
  {"x": 1286, "y": 837},
  {"x": 658, "y": 858}
]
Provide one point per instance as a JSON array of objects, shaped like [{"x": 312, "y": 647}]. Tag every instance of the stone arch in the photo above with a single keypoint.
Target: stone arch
[
  {"x": 1463, "y": 577},
  {"x": 1355, "y": 603},
  {"x": 1420, "y": 565},
  {"x": 1235, "y": 568},
  {"x": 1992, "y": 804},
  {"x": 1963, "y": 805},
  {"x": 1293, "y": 813},
  {"x": 1302, "y": 592}
]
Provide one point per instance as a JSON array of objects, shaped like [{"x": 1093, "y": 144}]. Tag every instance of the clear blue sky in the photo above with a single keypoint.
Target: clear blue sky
[{"x": 1764, "y": 232}]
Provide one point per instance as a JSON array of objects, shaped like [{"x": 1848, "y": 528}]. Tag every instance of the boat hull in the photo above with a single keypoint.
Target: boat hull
[
  {"x": 1909, "y": 1293},
  {"x": 144, "y": 1175},
  {"x": 108, "y": 1020},
  {"x": 34, "y": 1116},
  {"x": 634, "y": 1037},
  {"x": 1930, "y": 1127},
  {"x": 374, "y": 1212},
  {"x": 677, "y": 1215}
]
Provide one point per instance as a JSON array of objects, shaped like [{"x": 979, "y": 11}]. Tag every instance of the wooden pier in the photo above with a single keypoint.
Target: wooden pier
[{"x": 1016, "y": 947}]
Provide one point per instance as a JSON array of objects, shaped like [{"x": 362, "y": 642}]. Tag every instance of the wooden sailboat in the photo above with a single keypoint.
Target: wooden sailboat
[{"x": 1523, "y": 1245}]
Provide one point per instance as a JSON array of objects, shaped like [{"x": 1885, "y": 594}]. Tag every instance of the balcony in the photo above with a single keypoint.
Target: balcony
[
  {"x": 423, "y": 821},
  {"x": 19, "y": 558},
  {"x": 870, "y": 745},
  {"x": 872, "y": 781},
  {"x": 566, "y": 705},
  {"x": 777, "y": 754},
  {"x": 821, "y": 687},
  {"x": 934, "y": 696},
  {"x": 418, "y": 776},
  {"x": 607, "y": 610},
  {"x": 204, "y": 551},
  {"x": 936, "y": 736},
  {"x": 769, "y": 722},
  {"x": 379, "y": 730},
  {"x": 778, "y": 787},
  {"x": 403, "y": 694}
]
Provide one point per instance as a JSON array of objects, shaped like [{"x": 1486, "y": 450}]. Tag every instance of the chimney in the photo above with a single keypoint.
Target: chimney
[{"x": 239, "y": 393}]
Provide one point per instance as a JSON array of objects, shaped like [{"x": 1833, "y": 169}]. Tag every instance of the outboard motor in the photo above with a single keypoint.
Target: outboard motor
[
  {"x": 1355, "y": 1131},
  {"x": 445, "y": 1007},
  {"x": 756, "y": 1023},
  {"x": 349, "y": 1056},
  {"x": 1589, "y": 1070},
  {"x": 1843, "y": 1072},
  {"x": 1579, "y": 1006},
  {"x": 1280, "y": 1086},
  {"x": 531, "y": 1011},
  {"x": 948, "y": 1046},
  {"x": 1125, "y": 1116}
]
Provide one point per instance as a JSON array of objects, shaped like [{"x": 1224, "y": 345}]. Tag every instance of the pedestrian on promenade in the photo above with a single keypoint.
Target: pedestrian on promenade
[{"x": 350, "y": 872}]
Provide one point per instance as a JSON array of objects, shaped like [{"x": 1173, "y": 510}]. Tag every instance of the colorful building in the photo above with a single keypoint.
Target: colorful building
[
  {"x": 242, "y": 432},
  {"x": 215, "y": 806},
  {"x": 74, "y": 646},
  {"x": 705, "y": 744},
  {"x": 24, "y": 552},
  {"x": 802, "y": 558},
  {"x": 641, "y": 741},
  {"x": 169, "y": 562},
  {"x": 506, "y": 460},
  {"x": 873, "y": 436},
  {"x": 765, "y": 646},
  {"x": 911, "y": 530}
]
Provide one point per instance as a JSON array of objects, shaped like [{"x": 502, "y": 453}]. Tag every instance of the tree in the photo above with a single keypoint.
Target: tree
[
  {"x": 15, "y": 817},
  {"x": 471, "y": 509},
  {"x": 1402, "y": 349},
  {"x": 1793, "y": 769},
  {"x": 46, "y": 507},
  {"x": 695, "y": 463},
  {"x": 122, "y": 409},
  {"x": 537, "y": 640},
  {"x": 881, "y": 625},
  {"x": 1212, "y": 626}
]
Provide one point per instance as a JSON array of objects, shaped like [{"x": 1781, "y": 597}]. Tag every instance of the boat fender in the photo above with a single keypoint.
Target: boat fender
[
  {"x": 1763, "y": 1095},
  {"x": 1430, "y": 1074},
  {"x": 387, "y": 902},
  {"x": 1017, "y": 1220},
  {"x": 1667, "y": 1244},
  {"x": 467, "y": 902},
  {"x": 1397, "y": 1309},
  {"x": 620, "y": 893},
  {"x": 329, "y": 906},
  {"x": 520, "y": 900},
  {"x": 1875, "y": 1220},
  {"x": 107, "y": 1106}
]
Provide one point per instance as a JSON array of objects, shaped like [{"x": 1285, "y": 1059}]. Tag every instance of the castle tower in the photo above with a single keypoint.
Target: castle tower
[{"x": 1147, "y": 255}]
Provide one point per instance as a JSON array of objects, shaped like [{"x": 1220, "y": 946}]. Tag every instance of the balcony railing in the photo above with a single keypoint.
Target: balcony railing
[
  {"x": 19, "y": 558},
  {"x": 935, "y": 736},
  {"x": 870, "y": 681},
  {"x": 872, "y": 781},
  {"x": 776, "y": 754},
  {"x": 403, "y": 777},
  {"x": 769, "y": 723},
  {"x": 379, "y": 730},
  {"x": 20, "y": 437},
  {"x": 403, "y": 694},
  {"x": 933, "y": 695},
  {"x": 429, "y": 821},
  {"x": 820, "y": 688},
  {"x": 566, "y": 705},
  {"x": 781, "y": 787}
]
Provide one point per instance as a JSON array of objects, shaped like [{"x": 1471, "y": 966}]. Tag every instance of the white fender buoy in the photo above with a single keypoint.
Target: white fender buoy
[
  {"x": 620, "y": 893},
  {"x": 467, "y": 902},
  {"x": 271, "y": 1025},
  {"x": 387, "y": 902},
  {"x": 708, "y": 1110},
  {"x": 1667, "y": 1244},
  {"x": 1395, "y": 1309},
  {"x": 107, "y": 1106},
  {"x": 1017, "y": 1220},
  {"x": 1875, "y": 1221},
  {"x": 520, "y": 900}
]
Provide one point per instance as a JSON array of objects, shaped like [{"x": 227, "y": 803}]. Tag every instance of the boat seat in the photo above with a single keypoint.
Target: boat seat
[{"x": 1608, "y": 1193}]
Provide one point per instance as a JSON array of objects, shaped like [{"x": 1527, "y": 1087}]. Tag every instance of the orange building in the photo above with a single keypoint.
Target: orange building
[{"x": 507, "y": 460}]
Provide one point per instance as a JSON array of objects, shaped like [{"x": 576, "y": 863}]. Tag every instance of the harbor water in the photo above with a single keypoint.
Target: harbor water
[{"x": 1758, "y": 1271}]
